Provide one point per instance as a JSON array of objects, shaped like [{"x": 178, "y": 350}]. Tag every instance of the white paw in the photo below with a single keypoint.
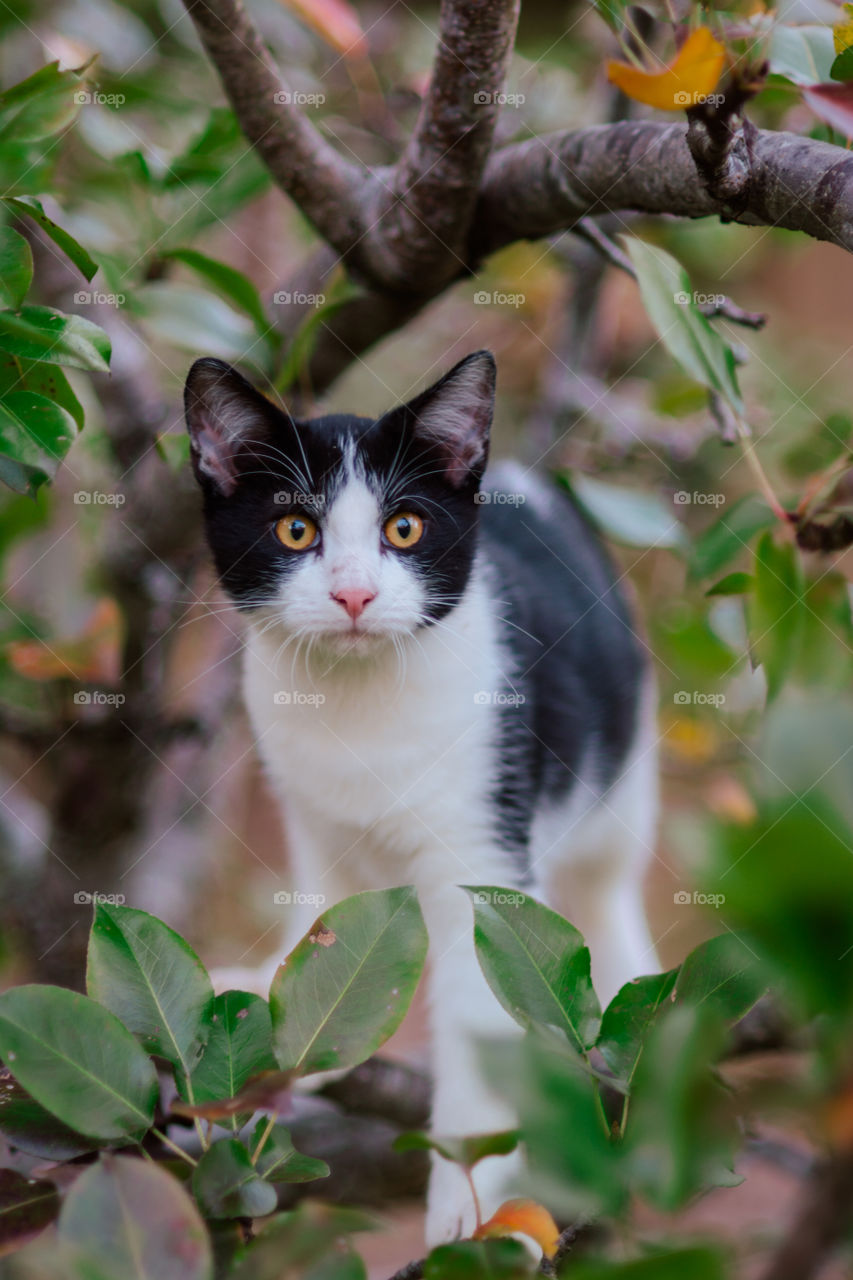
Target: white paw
[{"x": 451, "y": 1213}]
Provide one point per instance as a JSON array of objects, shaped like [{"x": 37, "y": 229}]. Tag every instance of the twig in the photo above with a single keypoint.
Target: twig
[
  {"x": 723, "y": 306},
  {"x": 820, "y": 1223}
]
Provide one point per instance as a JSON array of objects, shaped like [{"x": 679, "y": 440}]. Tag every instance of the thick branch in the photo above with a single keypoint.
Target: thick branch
[
  {"x": 324, "y": 185},
  {"x": 434, "y": 188},
  {"x": 535, "y": 188}
]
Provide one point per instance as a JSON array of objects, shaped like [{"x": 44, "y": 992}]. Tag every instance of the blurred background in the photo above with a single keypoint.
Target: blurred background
[{"x": 161, "y": 798}]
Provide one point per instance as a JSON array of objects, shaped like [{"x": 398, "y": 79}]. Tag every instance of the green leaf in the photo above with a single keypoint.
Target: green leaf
[
  {"x": 479, "y": 1260},
  {"x": 78, "y": 1061},
  {"x": 239, "y": 1047},
  {"x": 555, "y": 1095},
  {"x": 40, "y": 333},
  {"x": 803, "y": 54},
  {"x": 678, "y": 1135},
  {"x": 29, "y": 207},
  {"x": 734, "y": 584},
  {"x": 347, "y": 985},
  {"x": 279, "y": 1161},
  {"x": 194, "y": 319},
  {"x": 39, "y": 106},
  {"x": 788, "y": 881},
  {"x": 150, "y": 978},
  {"x": 291, "y": 1245},
  {"x": 628, "y": 1019},
  {"x": 42, "y": 379},
  {"x": 775, "y": 611},
  {"x": 230, "y": 284},
  {"x": 295, "y": 363},
  {"x": 132, "y": 1219},
  {"x": 842, "y": 67},
  {"x": 27, "y": 1205},
  {"x": 682, "y": 1264},
  {"x": 535, "y": 962},
  {"x": 724, "y": 974},
  {"x": 226, "y": 1184},
  {"x": 627, "y": 515},
  {"x": 668, "y": 298},
  {"x": 35, "y": 435},
  {"x": 30, "y": 1128},
  {"x": 463, "y": 1151},
  {"x": 728, "y": 535},
  {"x": 16, "y": 268}
]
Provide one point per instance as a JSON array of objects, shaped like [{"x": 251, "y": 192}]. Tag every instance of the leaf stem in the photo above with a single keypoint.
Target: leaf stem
[
  {"x": 173, "y": 1146},
  {"x": 754, "y": 463},
  {"x": 263, "y": 1139}
]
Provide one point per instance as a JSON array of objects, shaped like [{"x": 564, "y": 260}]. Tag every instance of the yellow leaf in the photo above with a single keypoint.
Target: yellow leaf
[
  {"x": 690, "y": 78},
  {"x": 92, "y": 655},
  {"x": 528, "y": 1219},
  {"x": 336, "y": 21},
  {"x": 842, "y": 32}
]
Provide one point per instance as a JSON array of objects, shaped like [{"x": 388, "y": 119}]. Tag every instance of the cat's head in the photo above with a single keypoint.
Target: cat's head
[{"x": 346, "y": 528}]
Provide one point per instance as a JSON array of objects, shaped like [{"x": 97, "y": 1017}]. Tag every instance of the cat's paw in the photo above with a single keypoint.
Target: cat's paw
[{"x": 451, "y": 1213}]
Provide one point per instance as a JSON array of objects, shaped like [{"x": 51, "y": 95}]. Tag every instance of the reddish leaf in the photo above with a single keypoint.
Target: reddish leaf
[
  {"x": 267, "y": 1091},
  {"x": 832, "y": 103},
  {"x": 93, "y": 655}
]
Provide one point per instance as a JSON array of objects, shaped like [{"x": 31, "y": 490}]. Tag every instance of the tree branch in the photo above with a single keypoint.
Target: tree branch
[
  {"x": 328, "y": 190},
  {"x": 536, "y": 188},
  {"x": 425, "y": 217}
]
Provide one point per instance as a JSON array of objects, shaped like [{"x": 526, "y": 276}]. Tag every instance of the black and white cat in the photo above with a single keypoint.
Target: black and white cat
[{"x": 445, "y": 687}]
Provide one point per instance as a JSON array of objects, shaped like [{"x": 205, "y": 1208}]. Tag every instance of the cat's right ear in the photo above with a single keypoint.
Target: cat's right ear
[{"x": 226, "y": 419}]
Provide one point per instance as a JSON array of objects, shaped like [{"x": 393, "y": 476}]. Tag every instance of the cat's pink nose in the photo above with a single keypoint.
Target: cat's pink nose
[{"x": 354, "y": 600}]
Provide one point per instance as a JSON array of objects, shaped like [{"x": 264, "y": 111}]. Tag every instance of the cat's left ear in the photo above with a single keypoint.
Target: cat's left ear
[{"x": 455, "y": 416}]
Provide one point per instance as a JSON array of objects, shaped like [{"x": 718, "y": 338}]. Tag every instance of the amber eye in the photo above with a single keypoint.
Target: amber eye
[
  {"x": 404, "y": 529},
  {"x": 297, "y": 533}
]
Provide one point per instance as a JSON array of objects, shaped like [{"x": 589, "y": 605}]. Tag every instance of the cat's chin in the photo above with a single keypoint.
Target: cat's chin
[{"x": 355, "y": 644}]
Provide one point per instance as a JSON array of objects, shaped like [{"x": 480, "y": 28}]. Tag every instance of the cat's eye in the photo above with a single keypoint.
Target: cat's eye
[
  {"x": 404, "y": 529},
  {"x": 297, "y": 533}
]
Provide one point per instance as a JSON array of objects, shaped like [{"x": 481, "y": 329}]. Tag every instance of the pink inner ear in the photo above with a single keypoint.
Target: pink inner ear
[
  {"x": 466, "y": 450},
  {"x": 216, "y": 455}
]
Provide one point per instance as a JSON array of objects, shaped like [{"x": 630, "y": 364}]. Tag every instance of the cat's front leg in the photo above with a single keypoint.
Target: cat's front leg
[{"x": 464, "y": 1012}]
